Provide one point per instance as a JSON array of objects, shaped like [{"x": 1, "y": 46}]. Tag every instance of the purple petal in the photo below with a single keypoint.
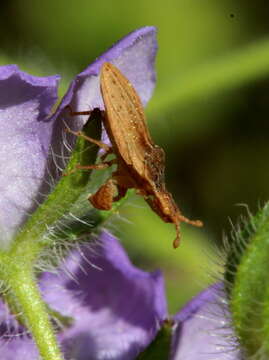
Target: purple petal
[
  {"x": 16, "y": 348},
  {"x": 15, "y": 342},
  {"x": 134, "y": 55},
  {"x": 25, "y": 134},
  {"x": 204, "y": 329},
  {"x": 117, "y": 307}
]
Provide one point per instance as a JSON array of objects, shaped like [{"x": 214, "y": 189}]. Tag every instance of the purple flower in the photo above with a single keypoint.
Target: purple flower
[
  {"x": 118, "y": 309},
  {"x": 28, "y": 131}
]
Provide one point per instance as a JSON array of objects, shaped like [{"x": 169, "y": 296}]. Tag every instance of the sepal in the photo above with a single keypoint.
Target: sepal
[{"x": 160, "y": 347}]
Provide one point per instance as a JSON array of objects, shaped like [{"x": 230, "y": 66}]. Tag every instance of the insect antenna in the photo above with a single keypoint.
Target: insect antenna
[{"x": 197, "y": 223}]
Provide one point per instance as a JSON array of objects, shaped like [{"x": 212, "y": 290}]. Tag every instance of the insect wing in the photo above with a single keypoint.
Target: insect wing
[{"x": 125, "y": 120}]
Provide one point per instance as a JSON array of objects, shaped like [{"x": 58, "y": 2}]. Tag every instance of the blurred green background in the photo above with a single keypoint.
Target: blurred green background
[{"x": 209, "y": 111}]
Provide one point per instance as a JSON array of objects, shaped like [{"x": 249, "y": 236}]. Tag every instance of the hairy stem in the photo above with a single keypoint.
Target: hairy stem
[{"x": 23, "y": 287}]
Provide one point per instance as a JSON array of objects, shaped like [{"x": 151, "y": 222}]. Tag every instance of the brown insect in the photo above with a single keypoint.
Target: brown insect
[{"x": 140, "y": 163}]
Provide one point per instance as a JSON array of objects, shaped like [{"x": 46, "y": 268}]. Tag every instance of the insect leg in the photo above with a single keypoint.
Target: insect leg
[
  {"x": 74, "y": 113},
  {"x": 101, "y": 166},
  {"x": 88, "y": 138},
  {"x": 104, "y": 197}
]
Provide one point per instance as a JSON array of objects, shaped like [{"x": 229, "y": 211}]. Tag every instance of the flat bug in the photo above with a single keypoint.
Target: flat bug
[{"x": 140, "y": 163}]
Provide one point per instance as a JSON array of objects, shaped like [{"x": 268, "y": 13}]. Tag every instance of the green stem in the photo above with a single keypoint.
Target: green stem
[{"x": 26, "y": 293}]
